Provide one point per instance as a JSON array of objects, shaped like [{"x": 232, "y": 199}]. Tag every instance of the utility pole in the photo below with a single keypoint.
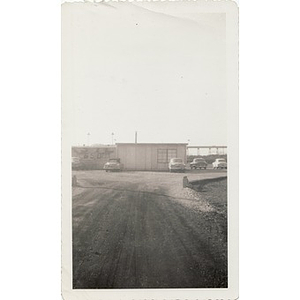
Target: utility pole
[
  {"x": 136, "y": 137},
  {"x": 112, "y": 138}
]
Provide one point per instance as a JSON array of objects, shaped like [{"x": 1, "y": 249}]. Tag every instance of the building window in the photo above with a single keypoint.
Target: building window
[
  {"x": 172, "y": 153},
  {"x": 85, "y": 155},
  {"x": 164, "y": 155},
  {"x": 99, "y": 155},
  {"x": 92, "y": 155}
]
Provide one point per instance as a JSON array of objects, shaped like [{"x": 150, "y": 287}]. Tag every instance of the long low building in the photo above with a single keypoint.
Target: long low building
[
  {"x": 93, "y": 157},
  {"x": 133, "y": 156},
  {"x": 149, "y": 156}
]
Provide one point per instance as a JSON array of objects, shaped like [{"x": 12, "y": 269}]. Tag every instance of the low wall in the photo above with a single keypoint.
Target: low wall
[{"x": 197, "y": 185}]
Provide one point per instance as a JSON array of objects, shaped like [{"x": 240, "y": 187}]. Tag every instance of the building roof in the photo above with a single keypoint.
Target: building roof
[
  {"x": 164, "y": 144},
  {"x": 95, "y": 146}
]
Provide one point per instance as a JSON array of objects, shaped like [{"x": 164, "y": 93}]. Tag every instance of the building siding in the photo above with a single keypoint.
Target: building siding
[
  {"x": 145, "y": 156},
  {"x": 93, "y": 158}
]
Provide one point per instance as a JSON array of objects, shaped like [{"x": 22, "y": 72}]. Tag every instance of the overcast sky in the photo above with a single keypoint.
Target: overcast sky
[{"x": 148, "y": 69}]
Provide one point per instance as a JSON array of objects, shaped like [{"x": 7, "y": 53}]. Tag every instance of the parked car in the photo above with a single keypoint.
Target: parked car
[
  {"x": 75, "y": 163},
  {"x": 198, "y": 163},
  {"x": 114, "y": 164},
  {"x": 220, "y": 163},
  {"x": 176, "y": 164}
]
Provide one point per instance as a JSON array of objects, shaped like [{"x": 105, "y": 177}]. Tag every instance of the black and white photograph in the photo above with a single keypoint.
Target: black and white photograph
[
  {"x": 149, "y": 150},
  {"x": 150, "y": 122}
]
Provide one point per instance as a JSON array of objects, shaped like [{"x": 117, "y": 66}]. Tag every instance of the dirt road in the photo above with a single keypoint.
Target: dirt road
[{"x": 143, "y": 230}]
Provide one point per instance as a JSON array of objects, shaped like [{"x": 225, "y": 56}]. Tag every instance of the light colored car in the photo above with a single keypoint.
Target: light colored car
[
  {"x": 114, "y": 164},
  {"x": 176, "y": 164},
  {"x": 75, "y": 162},
  {"x": 220, "y": 163},
  {"x": 198, "y": 163}
]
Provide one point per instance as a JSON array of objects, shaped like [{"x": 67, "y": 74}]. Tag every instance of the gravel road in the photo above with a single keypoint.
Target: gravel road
[{"x": 144, "y": 230}]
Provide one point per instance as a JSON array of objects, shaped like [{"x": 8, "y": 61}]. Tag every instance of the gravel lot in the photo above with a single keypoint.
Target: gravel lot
[{"x": 144, "y": 230}]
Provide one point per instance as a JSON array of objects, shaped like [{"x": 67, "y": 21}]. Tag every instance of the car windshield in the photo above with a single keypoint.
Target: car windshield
[
  {"x": 114, "y": 160},
  {"x": 177, "y": 160},
  {"x": 221, "y": 160},
  {"x": 198, "y": 159}
]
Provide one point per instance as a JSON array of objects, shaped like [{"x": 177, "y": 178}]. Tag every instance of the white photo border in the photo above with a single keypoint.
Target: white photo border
[{"x": 231, "y": 10}]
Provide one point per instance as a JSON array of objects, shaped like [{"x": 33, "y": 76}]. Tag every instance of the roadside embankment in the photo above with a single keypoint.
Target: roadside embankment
[{"x": 198, "y": 185}]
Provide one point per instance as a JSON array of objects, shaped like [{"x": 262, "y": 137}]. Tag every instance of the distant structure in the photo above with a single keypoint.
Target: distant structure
[
  {"x": 150, "y": 156},
  {"x": 209, "y": 149},
  {"x": 93, "y": 157},
  {"x": 134, "y": 156},
  {"x": 137, "y": 156}
]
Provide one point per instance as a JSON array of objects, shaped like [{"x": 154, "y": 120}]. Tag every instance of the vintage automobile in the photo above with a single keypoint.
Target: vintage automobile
[
  {"x": 220, "y": 163},
  {"x": 75, "y": 163},
  {"x": 198, "y": 163},
  {"x": 114, "y": 164},
  {"x": 176, "y": 164}
]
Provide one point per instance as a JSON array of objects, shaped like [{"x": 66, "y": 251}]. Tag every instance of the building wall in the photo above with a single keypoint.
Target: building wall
[
  {"x": 149, "y": 156},
  {"x": 93, "y": 158}
]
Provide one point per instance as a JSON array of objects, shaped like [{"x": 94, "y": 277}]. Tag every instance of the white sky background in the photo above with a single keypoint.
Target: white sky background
[{"x": 133, "y": 69}]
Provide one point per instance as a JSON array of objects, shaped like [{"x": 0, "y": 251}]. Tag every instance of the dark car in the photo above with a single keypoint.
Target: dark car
[{"x": 198, "y": 163}]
